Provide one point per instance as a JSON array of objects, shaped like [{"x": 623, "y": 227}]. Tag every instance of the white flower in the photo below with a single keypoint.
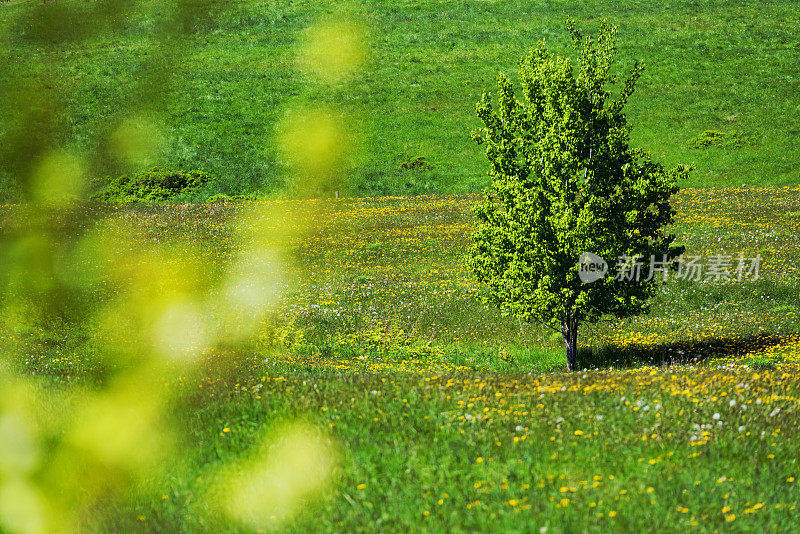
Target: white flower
[
  {"x": 741, "y": 428},
  {"x": 732, "y": 403},
  {"x": 599, "y": 417},
  {"x": 715, "y": 416},
  {"x": 559, "y": 420},
  {"x": 519, "y": 428}
]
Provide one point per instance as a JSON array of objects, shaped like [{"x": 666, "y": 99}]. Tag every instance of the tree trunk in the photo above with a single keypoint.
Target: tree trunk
[{"x": 569, "y": 330}]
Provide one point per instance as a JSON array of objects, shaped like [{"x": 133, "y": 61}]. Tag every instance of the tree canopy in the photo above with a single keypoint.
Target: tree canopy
[{"x": 566, "y": 185}]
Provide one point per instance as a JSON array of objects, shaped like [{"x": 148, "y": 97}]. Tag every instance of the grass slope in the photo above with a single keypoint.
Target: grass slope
[{"x": 712, "y": 65}]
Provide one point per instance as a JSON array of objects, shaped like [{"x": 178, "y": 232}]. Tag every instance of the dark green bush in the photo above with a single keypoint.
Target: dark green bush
[
  {"x": 221, "y": 198},
  {"x": 152, "y": 185},
  {"x": 760, "y": 362},
  {"x": 415, "y": 163},
  {"x": 401, "y": 175},
  {"x": 731, "y": 139}
]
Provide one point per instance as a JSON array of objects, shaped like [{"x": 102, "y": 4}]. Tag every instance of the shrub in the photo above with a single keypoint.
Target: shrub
[
  {"x": 221, "y": 198},
  {"x": 152, "y": 185},
  {"x": 415, "y": 164},
  {"x": 732, "y": 139},
  {"x": 760, "y": 362}
]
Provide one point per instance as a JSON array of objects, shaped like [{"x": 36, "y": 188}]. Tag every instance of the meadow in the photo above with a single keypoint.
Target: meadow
[
  {"x": 413, "y": 406},
  {"x": 226, "y": 87},
  {"x": 319, "y": 360}
]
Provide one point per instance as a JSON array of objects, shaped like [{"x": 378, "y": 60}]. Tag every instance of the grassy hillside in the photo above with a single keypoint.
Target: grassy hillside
[{"x": 711, "y": 65}]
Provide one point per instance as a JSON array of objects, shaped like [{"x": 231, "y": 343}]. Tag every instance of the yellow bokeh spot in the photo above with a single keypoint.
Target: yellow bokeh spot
[
  {"x": 22, "y": 508},
  {"x": 292, "y": 466},
  {"x": 181, "y": 330},
  {"x": 248, "y": 293},
  {"x": 333, "y": 50},
  {"x": 59, "y": 177},
  {"x": 19, "y": 454},
  {"x": 316, "y": 145},
  {"x": 135, "y": 141},
  {"x": 119, "y": 428}
]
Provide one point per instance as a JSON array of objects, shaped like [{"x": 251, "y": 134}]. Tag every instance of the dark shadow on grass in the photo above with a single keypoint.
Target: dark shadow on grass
[{"x": 679, "y": 352}]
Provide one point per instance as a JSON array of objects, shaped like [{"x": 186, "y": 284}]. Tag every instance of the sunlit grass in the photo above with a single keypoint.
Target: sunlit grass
[
  {"x": 443, "y": 413},
  {"x": 326, "y": 365},
  {"x": 398, "y": 263}
]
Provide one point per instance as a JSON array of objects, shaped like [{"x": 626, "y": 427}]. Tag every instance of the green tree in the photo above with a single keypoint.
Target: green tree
[{"x": 564, "y": 182}]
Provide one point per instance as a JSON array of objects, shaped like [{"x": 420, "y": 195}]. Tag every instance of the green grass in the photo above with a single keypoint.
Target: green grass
[
  {"x": 438, "y": 413},
  {"x": 133, "y": 396},
  {"x": 712, "y": 65},
  {"x": 464, "y": 451}
]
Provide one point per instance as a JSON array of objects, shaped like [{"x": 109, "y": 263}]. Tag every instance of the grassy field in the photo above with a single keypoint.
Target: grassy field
[
  {"x": 222, "y": 93},
  {"x": 378, "y": 393},
  {"x": 326, "y": 365}
]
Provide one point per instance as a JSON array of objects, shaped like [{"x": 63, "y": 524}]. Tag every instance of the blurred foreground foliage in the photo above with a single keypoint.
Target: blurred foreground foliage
[{"x": 75, "y": 277}]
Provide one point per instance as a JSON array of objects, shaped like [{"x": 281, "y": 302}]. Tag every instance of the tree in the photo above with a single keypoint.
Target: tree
[{"x": 565, "y": 182}]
